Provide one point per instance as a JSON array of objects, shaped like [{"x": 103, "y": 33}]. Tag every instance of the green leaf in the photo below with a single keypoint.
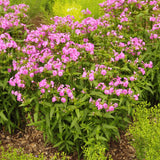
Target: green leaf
[
  {"x": 70, "y": 142},
  {"x": 60, "y": 126},
  {"x": 110, "y": 127},
  {"x": 27, "y": 102},
  {"x": 3, "y": 117},
  {"x": 36, "y": 112},
  {"x": 102, "y": 138},
  {"x": 54, "y": 124},
  {"x": 46, "y": 104},
  {"x": 38, "y": 123},
  {"x": 99, "y": 94},
  {"x": 35, "y": 117},
  {"x": 78, "y": 113},
  {"x": 58, "y": 144},
  {"x": 52, "y": 110},
  {"x": 108, "y": 115},
  {"x": 74, "y": 122}
]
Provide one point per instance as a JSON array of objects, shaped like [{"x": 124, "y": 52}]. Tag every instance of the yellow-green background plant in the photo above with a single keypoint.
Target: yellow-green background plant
[
  {"x": 64, "y": 8},
  {"x": 146, "y": 132},
  {"x": 74, "y": 7}
]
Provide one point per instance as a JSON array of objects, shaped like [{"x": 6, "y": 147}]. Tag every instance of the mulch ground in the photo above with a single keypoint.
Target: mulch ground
[{"x": 31, "y": 140}]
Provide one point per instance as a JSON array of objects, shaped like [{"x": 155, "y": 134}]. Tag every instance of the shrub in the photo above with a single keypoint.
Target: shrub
[{"x": 145, "y": 132}]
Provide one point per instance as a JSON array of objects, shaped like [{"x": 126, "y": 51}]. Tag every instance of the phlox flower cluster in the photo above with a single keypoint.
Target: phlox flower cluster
[
  {"x": 4, "y": 3},
  {"x": 6, "y": 41},
  {"x": 12, "y": 19},
  {"x": 18, "y": 95}
]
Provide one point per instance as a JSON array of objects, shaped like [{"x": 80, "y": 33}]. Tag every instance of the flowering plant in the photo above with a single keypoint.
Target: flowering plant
[
  {"x": 79, "y": 79},
  {"x": 11, "y": 26}
]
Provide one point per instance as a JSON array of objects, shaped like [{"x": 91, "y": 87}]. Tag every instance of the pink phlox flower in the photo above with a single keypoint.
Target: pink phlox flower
[
  {"x": 89, "y": 47},
  {"x": 85, "y": 40},
  {"x": 124, "y": 91},
  {"x": 12, "y": 82},
  {"x": 107, "y": 92},
  {"x": 42, "y": 90},
  {"x": 130, "y": 91},
  {"x": 43, "y": 83},
  {"x": 115, "y": 105},
  {"x": 118, "y": 92},
  {"x": 54, "y": 72},
  {"x": 120, "y": 27},
  {"x": 105, "y": 106},
  {"x": 52, "y": 84},
  {"x": 47, "y": 86},
  {"x": 70, "y": 94},
  {"x": 125, "y": 84},
  {"x": 60, "y": 87},
  {"x": 142, "y": 70},
  {"x": 103, "y": 72},
  {"x": 77, "y": 31},
  {"x": 136, "y": 97},
  {"x": 112, "y": 59},
  {"x": 111, "y": 83},
  {"x": 111, "y": 108},
  {"x": 90, "y": 100},
  {"x": 121, "y": 55},
  {"x": 31, "y": 75},
  {"x": 84, "y": 74},
  {"x": 150, "y": 65},
  {"x": 100, "y": 106},
  {"x": 91, "y": 76},
  {"x": 83, "y": 91},
  {"x": 19, "y": 97},
  {"x": 54, "y": 99},
  {"x": 61, "y": 93},
  {"x": 152, "y": 19},
  {"x": 132, "y": 78},
  {"x": 111, "y": 90},
  {"x": 9, "y": 70},
  {"x": 60, "y": 72},
  {"x": 63, "y": 100}
]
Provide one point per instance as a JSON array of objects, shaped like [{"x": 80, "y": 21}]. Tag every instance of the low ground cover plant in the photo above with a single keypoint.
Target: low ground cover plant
[
  {"x": 17, "y": 154},
  {"x": 145, "y": 132},
  {"x": 78, "y": 80}
]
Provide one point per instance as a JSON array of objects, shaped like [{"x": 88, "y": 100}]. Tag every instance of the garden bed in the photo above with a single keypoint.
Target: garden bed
[{"x": 31, "y": 140}]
